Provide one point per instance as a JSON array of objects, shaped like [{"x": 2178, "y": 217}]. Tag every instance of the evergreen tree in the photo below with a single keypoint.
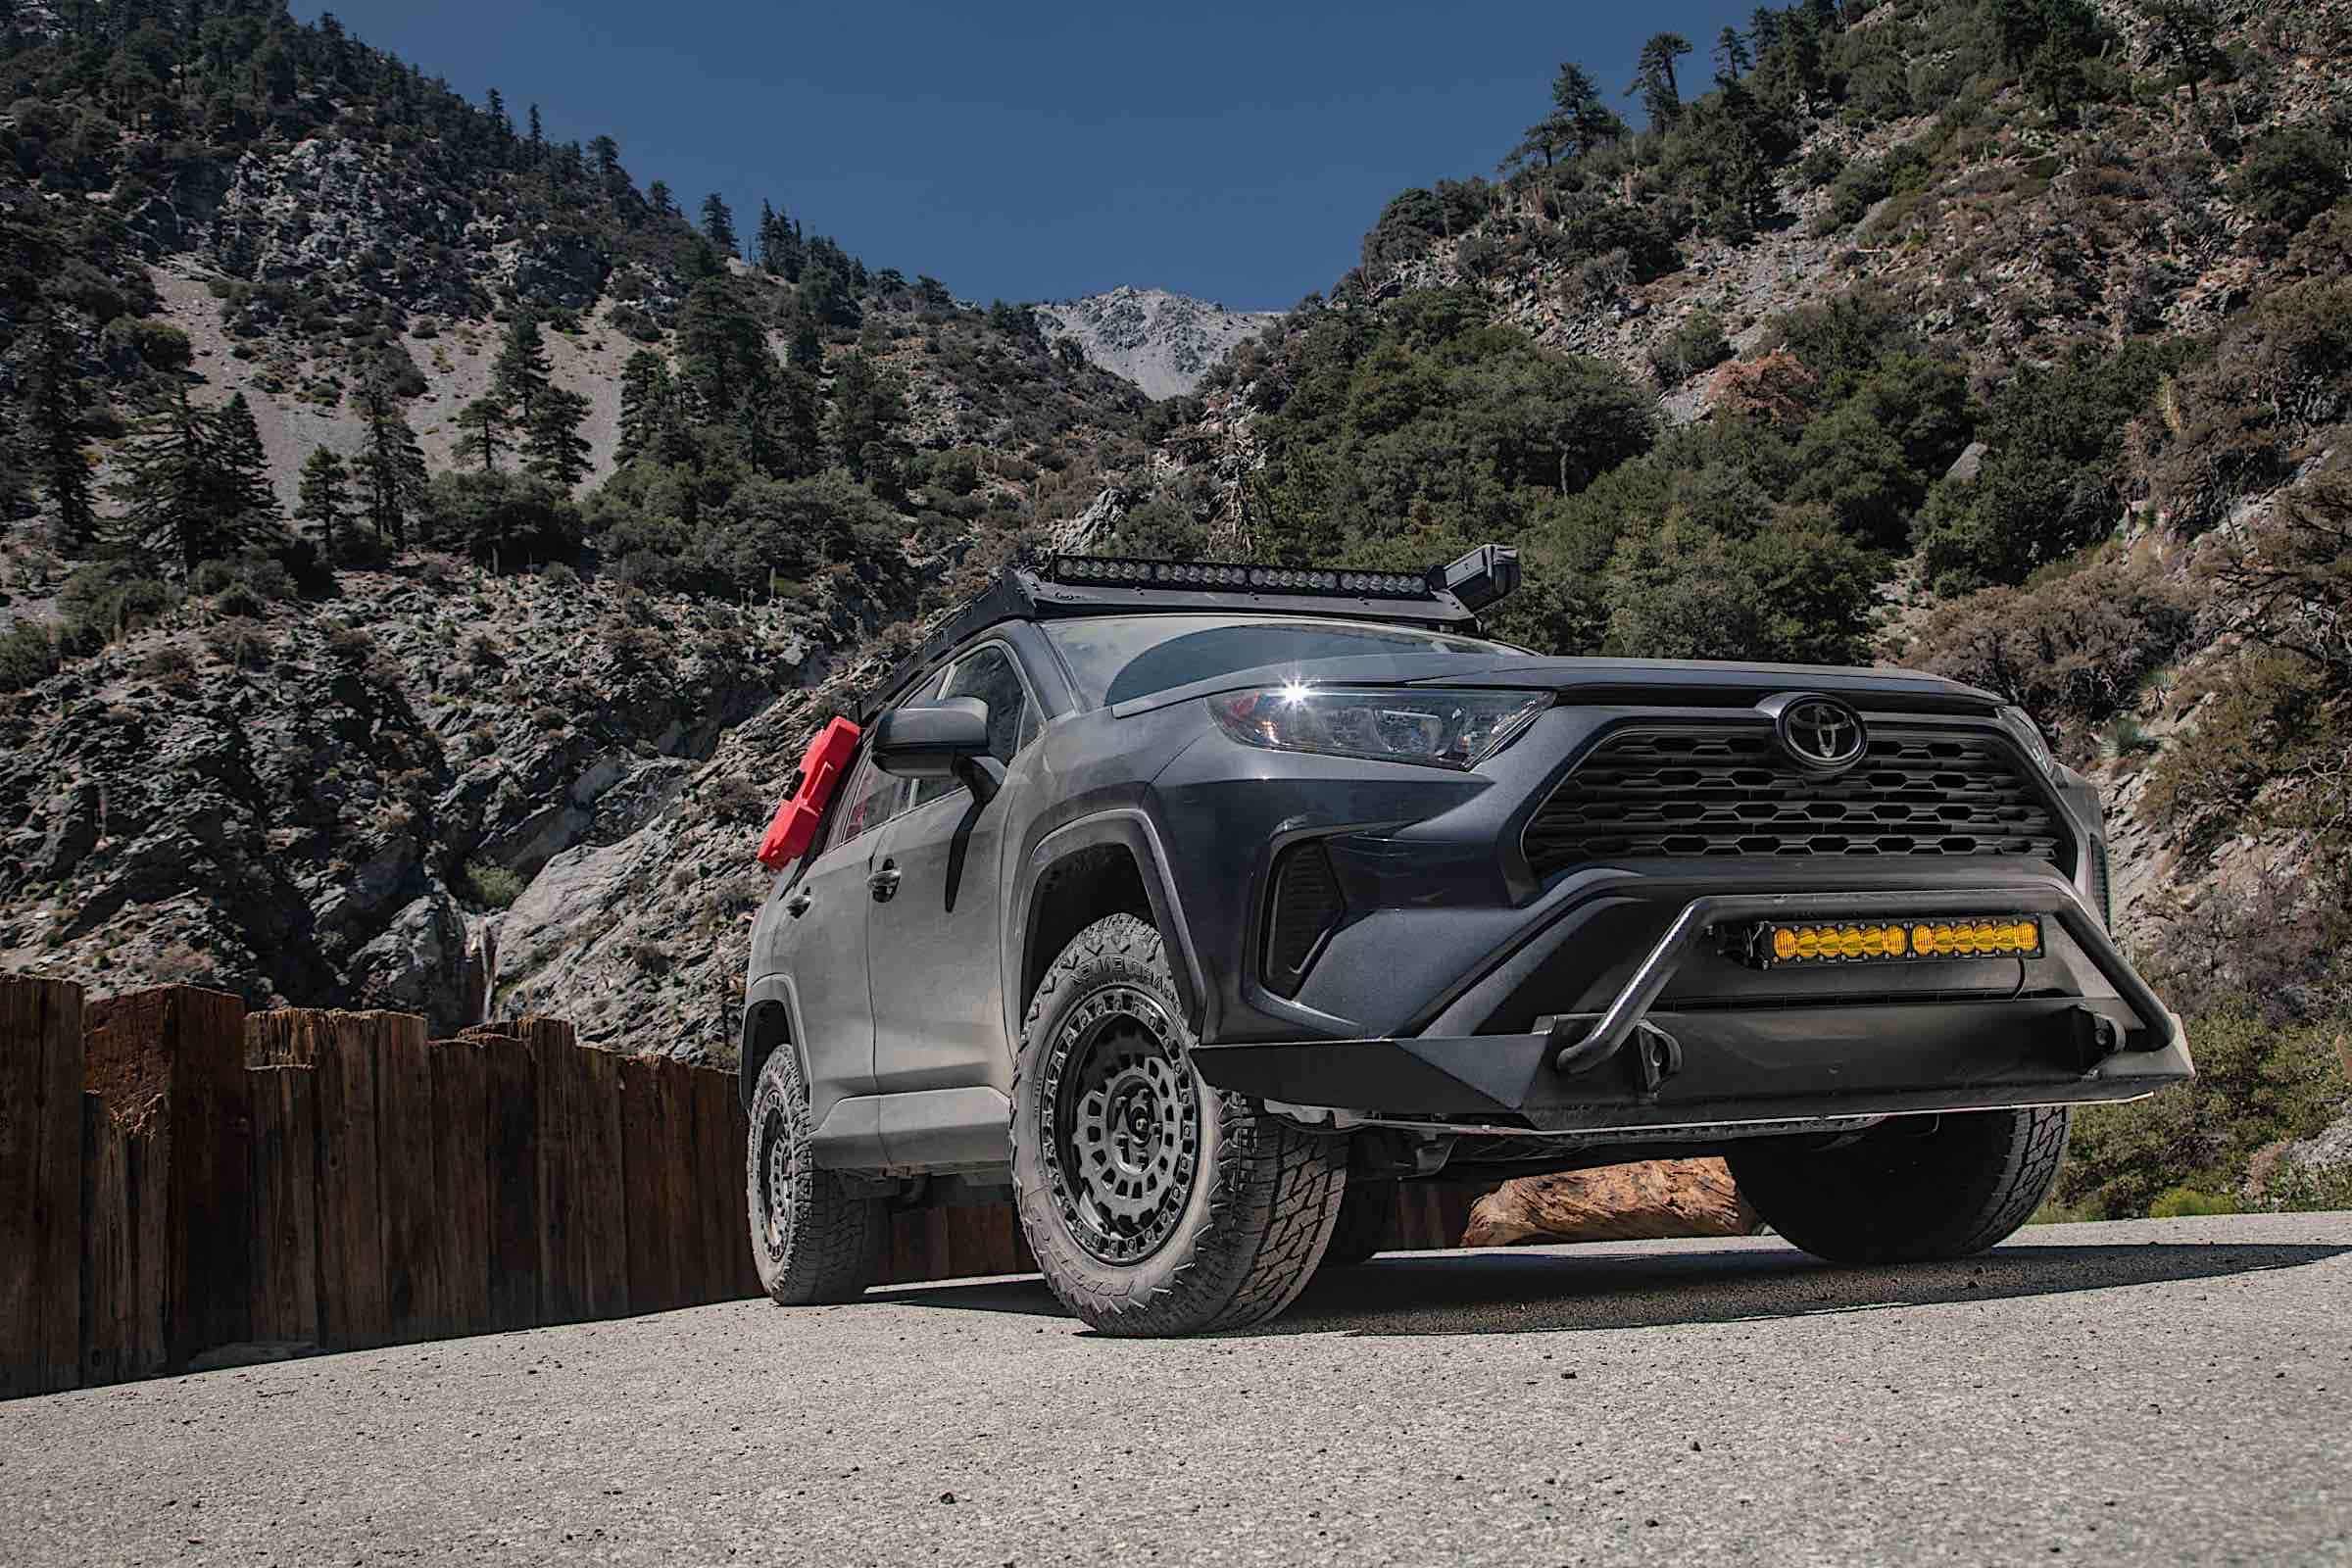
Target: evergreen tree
[
  {"x": 605, "y": 152},
  {"x": 1731, "y": 58},
  {"x": 325, "y": 498},
  {"x": 647, "y": 399},
  {"x": 242, "y": 466},
  {"x": 1654, "y": 80},
  {"x": 659, "y": 198},
  {"x": 538, "y": 138},
  {"x": 1578, "y": 121},
  {"x": 482, "y": 431},
  {"x": 494, "y": 104},
  {"x": 2189, "y": 34},
  {"x": 519, "y": 377},
  {"x": 553, "y": 448},
  {"x": 195, "y": 488},
  {"x": 391, "y": 465},
  {"x": 56, "y": 401},
  {"x": 869, "y": 405},
  {"x": 718, "y": 224}
]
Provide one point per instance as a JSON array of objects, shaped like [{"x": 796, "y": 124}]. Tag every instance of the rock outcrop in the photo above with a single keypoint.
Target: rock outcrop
[
  {"x": 1163, "y": 342},
  {"x": 1667, "y": 1198}
]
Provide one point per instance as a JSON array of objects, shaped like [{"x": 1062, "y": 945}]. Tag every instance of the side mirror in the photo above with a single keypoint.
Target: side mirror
[{"x": 932, "y": 741}]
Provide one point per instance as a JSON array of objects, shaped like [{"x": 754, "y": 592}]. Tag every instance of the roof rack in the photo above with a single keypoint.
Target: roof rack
[{"x": 1447, "y": 597}]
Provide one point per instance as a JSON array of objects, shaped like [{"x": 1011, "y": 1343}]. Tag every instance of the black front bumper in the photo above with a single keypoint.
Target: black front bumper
[{"x": 1634, "y": 1068}]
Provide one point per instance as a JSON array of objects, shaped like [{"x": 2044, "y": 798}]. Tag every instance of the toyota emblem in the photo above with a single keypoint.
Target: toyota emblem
[{"x": 1821, "y": 735}]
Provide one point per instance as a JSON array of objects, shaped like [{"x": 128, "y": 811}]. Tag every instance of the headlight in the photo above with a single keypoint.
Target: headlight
[
  {"x": 1434, "y": 725},
  {"x": 2022, "y": 728}
]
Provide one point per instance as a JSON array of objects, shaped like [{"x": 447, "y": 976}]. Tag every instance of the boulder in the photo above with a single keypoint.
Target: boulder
[{"x": 1614, "y": 1204}]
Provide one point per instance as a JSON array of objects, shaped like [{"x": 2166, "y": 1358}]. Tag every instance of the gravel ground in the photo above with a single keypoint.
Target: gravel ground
[{"x": 2164, "y": 1392}]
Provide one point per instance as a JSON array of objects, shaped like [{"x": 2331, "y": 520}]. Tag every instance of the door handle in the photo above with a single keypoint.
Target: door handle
[
  {"x": 797, "y": 904},
  {"x": 884, "y": 882}
]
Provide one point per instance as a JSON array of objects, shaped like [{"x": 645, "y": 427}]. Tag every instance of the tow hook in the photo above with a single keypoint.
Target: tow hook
[
  {"x": 2094, "y": 1038},
  {"x": 1658, "y": 1056}
]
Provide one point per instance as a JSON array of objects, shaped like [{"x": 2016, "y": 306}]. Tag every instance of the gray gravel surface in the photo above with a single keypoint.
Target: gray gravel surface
[{"x": 2166, "y": 1391}]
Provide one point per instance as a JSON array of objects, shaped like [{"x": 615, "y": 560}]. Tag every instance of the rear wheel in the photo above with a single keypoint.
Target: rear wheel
[
  {"x": 1911, "y": 1190},
  {"x": 814, "y": 1237},
  {"x": 1155, "y": 1204}
]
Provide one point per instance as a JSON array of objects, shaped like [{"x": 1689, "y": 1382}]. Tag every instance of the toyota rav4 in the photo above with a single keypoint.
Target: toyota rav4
[{"x": 1194, "y": 902}]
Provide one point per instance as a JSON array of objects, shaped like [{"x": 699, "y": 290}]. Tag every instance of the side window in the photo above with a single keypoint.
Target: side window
[
  {"x": 867, "y": 802},
  {"x": 988, "y": 674}
]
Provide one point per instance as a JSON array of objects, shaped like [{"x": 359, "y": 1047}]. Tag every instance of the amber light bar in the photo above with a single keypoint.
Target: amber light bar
[{"x": 1772, "y": 944}]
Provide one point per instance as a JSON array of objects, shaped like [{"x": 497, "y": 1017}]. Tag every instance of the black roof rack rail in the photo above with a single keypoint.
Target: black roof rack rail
[{"x": 1445, "y": 598}]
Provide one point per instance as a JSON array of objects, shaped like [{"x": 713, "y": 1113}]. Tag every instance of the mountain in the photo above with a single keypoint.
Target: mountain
[
  {"x": 1163, "y": 342},
  {"x": 2007, "y": 338}
]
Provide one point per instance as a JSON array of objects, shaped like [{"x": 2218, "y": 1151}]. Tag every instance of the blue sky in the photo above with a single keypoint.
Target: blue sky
[{"x": 1040, "y": 151}]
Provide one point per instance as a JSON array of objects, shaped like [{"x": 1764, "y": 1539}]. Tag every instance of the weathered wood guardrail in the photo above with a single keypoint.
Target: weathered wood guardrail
[{"x": 178, "y": 1177}]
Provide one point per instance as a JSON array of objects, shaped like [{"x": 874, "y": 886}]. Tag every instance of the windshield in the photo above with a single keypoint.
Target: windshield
[{"x": 1116, "y": 657}]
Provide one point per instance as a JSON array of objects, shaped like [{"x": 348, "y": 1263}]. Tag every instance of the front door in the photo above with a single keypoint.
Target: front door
[
  {"x": 938, "y": 970},
  {"x": 827, "y": 952}
]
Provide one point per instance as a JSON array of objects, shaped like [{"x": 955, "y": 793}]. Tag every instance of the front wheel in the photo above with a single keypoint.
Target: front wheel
[
  {"x": 1155, "y": 1204},
  {"x": 1913, "y": 1189}
]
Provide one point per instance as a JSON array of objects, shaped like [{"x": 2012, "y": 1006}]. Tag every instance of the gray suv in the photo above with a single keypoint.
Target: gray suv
[{"x": 1194, "y": 902}]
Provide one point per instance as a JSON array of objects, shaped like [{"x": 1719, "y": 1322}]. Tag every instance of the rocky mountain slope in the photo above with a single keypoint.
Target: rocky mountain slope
[{"x": 1163, "y": 342}]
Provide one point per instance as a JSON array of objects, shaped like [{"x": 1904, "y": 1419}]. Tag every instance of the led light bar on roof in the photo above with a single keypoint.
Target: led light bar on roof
[{"x": 1115, "y": 571}]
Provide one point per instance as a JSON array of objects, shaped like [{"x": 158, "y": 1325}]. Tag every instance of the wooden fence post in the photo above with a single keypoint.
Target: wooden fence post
[
  {"x": 40, "y": 1184},
  {"x": 511, "y": 1086},
  {"x": 285, "y": 1204},
  {"x": 460, "y": 1150},
  {"x": 415, "y": 1226},
  {"x": 352, "y": 1309},
  {"x": 602, "y": 1222},
  {"x": 169, "y": 1062},
  {"x": 650, "y": 1161}
]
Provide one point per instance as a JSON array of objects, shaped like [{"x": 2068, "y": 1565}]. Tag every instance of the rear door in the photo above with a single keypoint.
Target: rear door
[
  {"x": 939, "y": 1011},
  {"x": 827, "y": 958}
]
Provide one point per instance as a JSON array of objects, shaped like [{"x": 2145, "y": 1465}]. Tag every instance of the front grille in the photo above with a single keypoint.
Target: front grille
[{"x": 1726, "y": 790}]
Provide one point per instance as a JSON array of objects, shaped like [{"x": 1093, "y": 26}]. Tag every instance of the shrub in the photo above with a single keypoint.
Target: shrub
[
  {"x": 2294, "y": 174},
  {"x": 493, "y": 885},
  {"x": 2188, "y": 1203},
  {"x": 349, "y": 643},
  {"x": 27, "y": 656},
  {"x": 1796, "y": 591},
  {"x": 158, "y": 344},
  {"x": 106, "y": 599},
  {"x": 1698, "y": 344},
  {"x": 2070, "y": 652},
  {"x": 2257, "y": 1083}
]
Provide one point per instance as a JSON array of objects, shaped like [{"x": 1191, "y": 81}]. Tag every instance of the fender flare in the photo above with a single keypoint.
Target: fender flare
[
  {"x": 1128, "y": 828},
  {"x": 769, "y": 990}
]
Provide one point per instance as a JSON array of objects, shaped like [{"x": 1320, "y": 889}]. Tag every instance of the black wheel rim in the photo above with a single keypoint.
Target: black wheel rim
[
  {"x": 1123, "y": 1136},
  {"x": 776, "y": 1164}
]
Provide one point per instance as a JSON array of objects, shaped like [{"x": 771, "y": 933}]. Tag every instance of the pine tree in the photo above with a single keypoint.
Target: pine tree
[
  {"x": 647, "y": 397},
  {"x": 242, "y": 466},
  {"x": 553, "y": 448},
  {"x": 325, "y": 499},
  {"x": 494, "y": 106},
  {"x": 605, "y": 152},
  {"x": 482, "y": 427},
  {"x": 519, "y": 377},
  {"x": 659, "y": 198},
  {"x": 57, "y": 399},
  {"x": 538, "y": 137},
  {"x": 718, "y": 223},
  {"x": 1731, "y": 58},
  {"x": 1654, "y": 80},
  {"x": 1578, "y": 121},
  {"x": 2189, "y": 34},
  {"x": 391, "y": 465},
  {"x": 197, "y": 488}
]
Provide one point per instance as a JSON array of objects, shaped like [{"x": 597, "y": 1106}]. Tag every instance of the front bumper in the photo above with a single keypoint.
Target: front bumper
[{"x": 1634, "y": 1067}]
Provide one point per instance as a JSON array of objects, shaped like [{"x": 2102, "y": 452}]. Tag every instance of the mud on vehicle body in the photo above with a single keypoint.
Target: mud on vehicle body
[{"x": 1180, "y": 900}]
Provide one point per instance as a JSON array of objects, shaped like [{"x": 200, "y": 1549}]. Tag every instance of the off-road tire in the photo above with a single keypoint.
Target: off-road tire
[
  {"x": 834, "y": 1240},
  {"x": 1912, "y": 1190},
  {"x": 1363, "y": 1226},
  {"x": 1263, "y": 1194}
]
